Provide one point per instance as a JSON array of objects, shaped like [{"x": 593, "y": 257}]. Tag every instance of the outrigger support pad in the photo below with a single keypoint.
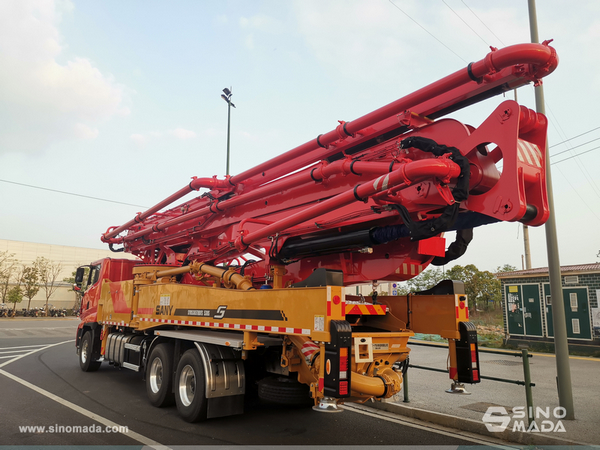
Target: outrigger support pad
[
  {"x": 457, "y": 388},
  {"x": 328, "y": 404}
]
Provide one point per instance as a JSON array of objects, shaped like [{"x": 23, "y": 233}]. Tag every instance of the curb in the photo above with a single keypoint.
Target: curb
[{"x": 472, "y": 426}]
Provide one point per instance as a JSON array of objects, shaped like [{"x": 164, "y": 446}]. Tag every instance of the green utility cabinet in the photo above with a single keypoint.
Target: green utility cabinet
[
  {"x": 577, "y": 312},
  {"x": 523, "y": 309}
]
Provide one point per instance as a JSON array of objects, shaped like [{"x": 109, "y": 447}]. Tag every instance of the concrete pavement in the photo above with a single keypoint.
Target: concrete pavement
[{"x": 429, "y": 402}]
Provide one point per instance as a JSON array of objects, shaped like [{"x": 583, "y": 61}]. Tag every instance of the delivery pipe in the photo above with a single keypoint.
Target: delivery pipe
[
  {"x": 385, "y": 384},
  {"x": 408, "y": 173},
  {"x": 541, "y": 57},
  {"x": 194, "y": 185},
  {"x": 318, "y": 173}
]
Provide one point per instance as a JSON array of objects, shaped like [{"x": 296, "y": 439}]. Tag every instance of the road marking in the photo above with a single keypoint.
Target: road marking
[
  {"x": 35, "y": 329},
  {"x": 16, "y": 358},
  {"x": 22, "y": 346},
  {"x": 106, "y": 422},
  {"x": 2, "y": 351},
  {"x": 390, "y": 417}
]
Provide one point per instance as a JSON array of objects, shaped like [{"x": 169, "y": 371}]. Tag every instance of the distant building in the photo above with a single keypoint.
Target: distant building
[
  {"x": 527, "y": 304},
  {"x": 69, "y": 257}
]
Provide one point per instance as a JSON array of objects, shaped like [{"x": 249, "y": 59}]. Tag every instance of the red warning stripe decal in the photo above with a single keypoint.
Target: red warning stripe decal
[{"x": 366, "y": 310}]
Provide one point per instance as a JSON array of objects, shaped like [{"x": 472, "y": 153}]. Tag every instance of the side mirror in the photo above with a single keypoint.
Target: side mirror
[{"x": 79, "y": 276}]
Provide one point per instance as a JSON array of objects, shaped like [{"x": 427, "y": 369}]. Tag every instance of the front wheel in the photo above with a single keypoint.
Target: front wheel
[
  {"x": 189, "y": 387},
  {"x": 86, "y": 350},
  {"x": 159, "y": 376}
]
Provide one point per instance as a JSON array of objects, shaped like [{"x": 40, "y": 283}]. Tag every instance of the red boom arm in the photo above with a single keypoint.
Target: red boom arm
[{"x": 372, "y": 196}]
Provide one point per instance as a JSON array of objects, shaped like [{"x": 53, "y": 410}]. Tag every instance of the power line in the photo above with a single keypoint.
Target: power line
[
  {"x": 71, "y": 193},
  {"x": 574, "y": 156},
  {"x": 577, "y": 193},
  {"x": 574, "y": 137},
  {"x": 577, "y": 146},
  {"x": 557, "y": 126},
  {"x": 473, "y": 12},
  {"x": 427, "y": 31},
  {"x": 463, "y": 21}
]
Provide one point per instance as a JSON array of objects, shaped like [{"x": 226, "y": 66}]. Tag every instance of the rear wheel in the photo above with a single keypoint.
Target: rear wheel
[
  {"x": 86, "y": 347},
  {"x": 284, "y": 391},
  {"x": 190, "y": 387},
  {"x": 159, "y": 376}
]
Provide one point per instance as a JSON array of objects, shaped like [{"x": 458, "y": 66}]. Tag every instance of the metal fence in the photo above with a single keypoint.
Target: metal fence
[{"x": 524, "y": 354}]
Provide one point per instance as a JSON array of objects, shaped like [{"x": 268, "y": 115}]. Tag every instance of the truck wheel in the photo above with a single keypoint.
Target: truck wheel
[
  {"x": 284, "y": 391},
  {"x": 86, "y": 362},
  {"x": 189, "y": 387},
  {"x": 159, "y": 376}
]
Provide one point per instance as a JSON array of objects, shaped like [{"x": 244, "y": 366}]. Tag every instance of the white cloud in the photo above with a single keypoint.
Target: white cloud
[
  {"x": 82, "y": 131},
  {"x": 139, "y": 139},
  {"x": 262, "y": 22},
  {"x": 42, "y": 100},
  {"x": 384, "y": 40},
  {"x": 221, "y": 19},
  {"x": 366, "y": 37},
  {"x": 257, "y": 24},
  {"x": 182, "y": 133}
]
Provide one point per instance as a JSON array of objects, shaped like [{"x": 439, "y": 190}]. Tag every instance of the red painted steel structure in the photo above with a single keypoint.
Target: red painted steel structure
[{"x": 333, "y": 202}]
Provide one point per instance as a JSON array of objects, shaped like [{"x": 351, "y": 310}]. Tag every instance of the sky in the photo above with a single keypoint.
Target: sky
[{"x": 119, "y": 102}]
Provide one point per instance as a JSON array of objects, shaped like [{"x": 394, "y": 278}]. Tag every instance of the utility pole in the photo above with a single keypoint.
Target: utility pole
[
  {"x": 525, "y": 232},
  {"x": 563, "y": 370}
]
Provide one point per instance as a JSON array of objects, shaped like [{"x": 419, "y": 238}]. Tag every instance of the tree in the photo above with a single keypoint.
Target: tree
[
  {"x": 425, "y": 280},
  {"x": 482, "y": 287},
  {"x": 15, "y": 296},
  {"x": 79, "y": 293},
  {"x": 8, "y": 266},
  {"x": 30, "y": 278},
  {"x": 506, "y": 268},
  {"x": 48, "y": 273}
]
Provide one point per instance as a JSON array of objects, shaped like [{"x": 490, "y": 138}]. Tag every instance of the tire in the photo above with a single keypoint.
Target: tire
[
  {"x": 284, "y": 391},
  {"x": 190, "y": 387},
  {"x": 86, "y": 348},
  {"x": 159, "y": 376}
]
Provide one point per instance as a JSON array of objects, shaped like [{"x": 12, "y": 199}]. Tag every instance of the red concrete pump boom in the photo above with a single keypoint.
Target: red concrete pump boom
[{"x": 372, "y": 197}]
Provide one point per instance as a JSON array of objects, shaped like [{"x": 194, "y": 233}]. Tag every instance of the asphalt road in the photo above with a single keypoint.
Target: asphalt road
[{"x": 41, "y": 385}]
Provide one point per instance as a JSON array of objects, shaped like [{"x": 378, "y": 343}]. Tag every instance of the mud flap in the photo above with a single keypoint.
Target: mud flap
[
  {"x": 467, "y": 354},
  {"x": 337, "y": 360}
]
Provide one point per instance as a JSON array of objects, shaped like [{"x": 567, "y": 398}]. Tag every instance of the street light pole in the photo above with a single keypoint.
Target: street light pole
[
  {"x": 227, "y": 97},
  {"x": 561, "y": 346}
]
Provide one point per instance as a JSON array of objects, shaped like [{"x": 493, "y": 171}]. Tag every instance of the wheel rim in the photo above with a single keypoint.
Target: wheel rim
[
  {"x": 187, "y": 385},
  {"x": 84, "y": 351},
  {"x": 156, "y": 375}
]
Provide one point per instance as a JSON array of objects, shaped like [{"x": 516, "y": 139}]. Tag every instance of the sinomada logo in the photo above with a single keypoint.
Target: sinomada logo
[
  {"x": 497, "y": 419},
  {"x": 502, "y": 420}
]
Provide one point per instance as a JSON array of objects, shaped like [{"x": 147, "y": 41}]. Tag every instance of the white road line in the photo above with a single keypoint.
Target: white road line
[
  {"x": 32, "y": 352},
  {"x": 22, "y": 346},
  {"x": 106, "y": 422},
  {"x": 35, "y": 329},
  {"x": 3, "y": 352},
  {"x": 390, "y": 417}
]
